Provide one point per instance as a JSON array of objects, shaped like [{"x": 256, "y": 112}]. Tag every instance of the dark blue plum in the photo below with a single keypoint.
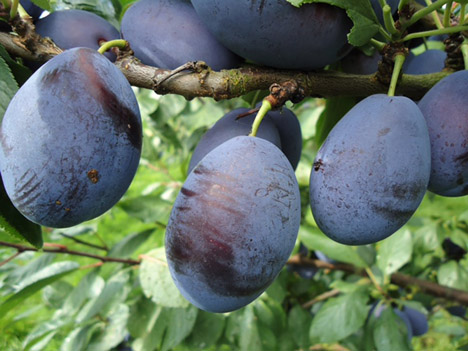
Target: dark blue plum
[
  {"x": 372, "y": 171},
  {"x": 417, "y": 319},
  {"x": 378, "y": 8},
  {"x": 430, "y": 61},
  {"x": 229, "y": 126},
  {"x": 445, "y": 108},
  {"x": 70, "y": 140},
  {"x": 233, "y": 224},
  {"x": 168, "y": 33},
  {"x": 457, "y": 311},
  {"x": 322, "y": 257},
  {"x": 376, "y": 311},
  {"x": 33, "y": 10},
  {"x": 275, "y": 33},
  {"x": 76, "y": 28},
  {"x": 290, "y": 133},
  {"x": 359, "y": 63},
  {"x": 452, "y": 250}
]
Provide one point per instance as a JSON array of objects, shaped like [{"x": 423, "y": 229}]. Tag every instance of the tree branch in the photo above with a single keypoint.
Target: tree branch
[
  {"x": 64, "y": 250},
  {"x": 399, "y": 279}
]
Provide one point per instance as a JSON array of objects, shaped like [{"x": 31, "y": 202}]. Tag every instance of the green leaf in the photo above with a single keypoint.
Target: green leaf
[
  {"x": 207, "y": 330},
  {"x": 180, "y": 324},
  {"x": 148, "y": 209},
  {"x": 13, "y": 223},
  {"x": 390, "y": 332},
  {"x": 157, "y": 282},
  {"x": 43, "y": 4},
  {"x": 111, "y": 294},
  {"x": 395, "y": 251},
  {"x": 142, "y": 317},
  {"x": 41, "y": 331},
  {"x": 36, "y": 282},
  {"x": 360, "y": 12},
  {"x": 335, "y": 109},
  {"x": 78, "y": 338},
  {"x": 8, "y": 87},
  {"x": 249, "y": 338},
  {"x": 339, "y": 317},
  {"x": 299, "y": 322},
  {"x": 20, "y": 72},
  {"x": 453, "y": 275},
  {"x": 129, "y": 244},
  {"x": 313, "y": 239}
]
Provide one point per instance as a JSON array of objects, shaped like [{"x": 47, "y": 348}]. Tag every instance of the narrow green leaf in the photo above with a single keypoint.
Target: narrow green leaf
[
  {"x": 36, "y": 282},
  {"x": 299, "y": 322},
  {"x": 43, "y": 4},
  {"x": 148, "y": 209},
  {"x": 20, "y": 72},
  {"x": 41, "y": 331},
  {"x": 390, "y": 332},
  {"x": 13, "y": 223},
  {"x": 129, "y": 244},
  {"x": 339, "y": 317},
  {"x": 249, "y": 338},
  {"x": 316, "y": 240},
  {"x": 207, "y": 330},
  {"x": 453, "y": 275},
  {"x": 157, "y": 282},
  {"x": 180, "y": 324},
  {"x": 8, "y": 86},
  {"x": 395, "y": 251},
  {"x": 78, "y": 338}
]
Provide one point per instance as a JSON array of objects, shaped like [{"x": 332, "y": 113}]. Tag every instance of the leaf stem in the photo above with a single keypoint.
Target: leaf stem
[
  {"x": 11, "y": 258},
  {"x": 402, "y": 4},
  {"x": 388, "y": 20},
  {"x": 119, "y": 43},
  {"x": 447, "y": 14},
  {"x": 399, "y": 60},
  {"x": 377, "y": 44},
  {"x": 264, "y": 109},
  {"x": 385, "y": 34},
  {"x": 462, "y": 14},
  {"x": 435, "y": 16},
  {"x": 464, "y": 50},
  {"x": 14, "y": 8},
  {"x": 429, "y": 33}
]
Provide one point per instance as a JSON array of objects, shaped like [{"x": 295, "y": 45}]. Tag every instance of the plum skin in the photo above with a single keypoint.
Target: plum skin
[
  {"x": 70, "y": 140},
  {"x": 233, "y": 225},
  {"x": 168, "y": 33},
  {"x": 445, "y": 108},
  {"x": 77, "y": 28},
  {"x": 372, "y": 171},
  {"x": 277, "y": 34}
]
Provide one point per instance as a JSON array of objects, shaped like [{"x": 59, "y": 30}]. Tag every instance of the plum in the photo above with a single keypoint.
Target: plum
[
  {"x": 418, "y": 321},
  {"x": 32, "y": 9},
  {"x": 233, "y": 224},
  {"x": 430, "y": 61},
  {"x": 77, "y": 28},
  {"x": 277, "y": 34},
  {"x": 357, "y": 62},
  {"x": 372, "y": 171},
  {"x": 445, "y": 108},
  {"x": 70, "y": 140},
  {"x": 168, "y": 33}
]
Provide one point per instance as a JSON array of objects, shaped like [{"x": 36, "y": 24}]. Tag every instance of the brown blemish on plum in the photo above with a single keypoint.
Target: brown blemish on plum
[
  {"x": 463, "y": 159},
  {"x": 93, "y": 176},
  {"x": 187, "y": 192},
  {"x": 384, "y": 131},
  {"x": 318, "y": 165}
]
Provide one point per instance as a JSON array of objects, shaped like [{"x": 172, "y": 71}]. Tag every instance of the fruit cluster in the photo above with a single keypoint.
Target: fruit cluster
[{"x": 71, "y": 141}]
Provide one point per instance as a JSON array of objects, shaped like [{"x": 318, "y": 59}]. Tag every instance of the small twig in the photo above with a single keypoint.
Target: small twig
[
  {"x": 79, "y": 241},
  {"x": 321, "y": 297},
  {"x": 63, "y": 250},
  {"x": 11, "y": 258}
]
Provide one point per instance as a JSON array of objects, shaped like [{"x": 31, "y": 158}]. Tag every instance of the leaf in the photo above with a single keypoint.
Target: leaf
[
  {"x": 390, "y": 332},
  {"x": 40, "y": 332},
  {"x": 249, "y": 338},
  {"x": 313, "y": 239},
  {"x": 157, "y": 282},
  {"x": 299, "y": 322},
  {"x": 360, "y": 12},
  {"x": 36, "y": 282},
  {"x": 339, "y": 317},
  {"x": 20, "y": 72},
  {"x": 111, "y": 293},
  {"x": 78, "y": 338},
  {"x": 8, "y": 87},
  {"x": 453, "y": 275},
  {"x": 13, "y": 223},
  {"x": 180, "y": 324},
  {"x": 129, "y": 244},
  {"x": 395, "y": 251},
  {"x": 335, "y": 109},
  {"x": 43, "y": 4},
  {"x": 148, "y": 209},
  {"x": 207, "y": 330}
]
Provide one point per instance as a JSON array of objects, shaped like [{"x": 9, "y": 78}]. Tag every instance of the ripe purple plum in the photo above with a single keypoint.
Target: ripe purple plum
[
  {"x": 233, "y": 225},
  {"x": 168, "y": 33},
  {"x": 277, "y": 34},
  {"x": 70, "y": 140},
  {"x": 372, "y": 171}
]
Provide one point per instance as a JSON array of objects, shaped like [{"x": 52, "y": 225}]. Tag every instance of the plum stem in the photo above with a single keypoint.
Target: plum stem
[
  {"x": 435, "y": 16},
  {"x": 464, "y": 50},
  {"x": 264, "y": 109},
  {"x": 462, "y": 14},
  {"x": 424, "y": 12},
  {"x": 388, "y": 20},
  {"x": 399, "y": 60},
  {"x": 402, "y": 4},
  {"x": 377, "y": 44},
  {"x": 119, "y": 43},
  {"x": 430, "y": 33},
  {"x": 14, "y": 8},
  {"x": 447, "y": 14}
]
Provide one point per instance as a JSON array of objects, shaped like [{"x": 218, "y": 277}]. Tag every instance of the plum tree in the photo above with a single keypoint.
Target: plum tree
[
  {"x": 280, "y": 35},
  {"x": 70, "y": 140},
  {"x": 444, "y": 107},
  {"x": 370, "y": 175},
  {"x": 77, "y": 28},
  {"x": 168, "y": 33},
  {"x": 233, "y": 224}
]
